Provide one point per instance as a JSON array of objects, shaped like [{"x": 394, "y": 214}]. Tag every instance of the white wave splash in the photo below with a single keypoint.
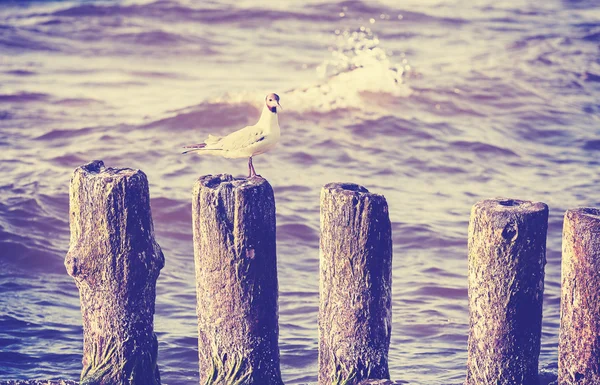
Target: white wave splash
[{"x": 358, "y": 67}]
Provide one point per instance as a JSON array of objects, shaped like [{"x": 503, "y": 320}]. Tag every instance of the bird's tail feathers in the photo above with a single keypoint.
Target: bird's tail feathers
[
  {"x": 202, "y": 150},
  {"x": 212, "y": 139},
  {"x": 196, "y": 146}
]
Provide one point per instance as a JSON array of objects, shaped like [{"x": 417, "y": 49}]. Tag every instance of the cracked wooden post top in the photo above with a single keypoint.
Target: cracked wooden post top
[
  {"x": 507, "y": 255},
  {"x": 115, "y": 262},
  {"x": 236, "y": 280},
  {"x": 355, "y": 311},
  {"x": 579, "y": 339}
]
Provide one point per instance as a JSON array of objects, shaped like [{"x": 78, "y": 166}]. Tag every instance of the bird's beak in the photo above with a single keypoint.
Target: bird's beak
[{"x": 279, "y": 105}]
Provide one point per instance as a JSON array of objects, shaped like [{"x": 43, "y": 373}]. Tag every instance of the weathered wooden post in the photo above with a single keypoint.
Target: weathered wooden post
[
  {"x": 579, "y": 341},
  {"x": 115, "y": 262},
  {"x": 355, "y": 313},
  {"x": 507, "y": 255},
  {"x": 236, "y": 281}
]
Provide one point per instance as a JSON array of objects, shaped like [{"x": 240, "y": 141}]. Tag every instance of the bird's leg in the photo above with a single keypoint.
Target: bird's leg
[{"x": 253, "y": 170}]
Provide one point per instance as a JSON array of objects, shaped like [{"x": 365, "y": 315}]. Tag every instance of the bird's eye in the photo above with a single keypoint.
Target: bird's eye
[{"x": 270, "y": 100}]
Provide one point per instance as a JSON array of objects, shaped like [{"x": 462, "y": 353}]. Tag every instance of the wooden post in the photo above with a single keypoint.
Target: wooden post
[
  {"x": 507, "y": 255},
  {"x": 355, "y": 313},
  {"x": 236, "y": 281},
  {"x": 579, "y": 342},
  {"x": 115, "y": 262}
]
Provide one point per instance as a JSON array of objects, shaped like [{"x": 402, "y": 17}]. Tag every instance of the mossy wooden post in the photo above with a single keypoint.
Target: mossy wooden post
[
  {"x": 115, "y": 262},
  {"x": 579, "y": 341},
  {"x": 507, "y": 255},
  {"x": 355, "y": 313},
  {"x": 236, "y": 281}
]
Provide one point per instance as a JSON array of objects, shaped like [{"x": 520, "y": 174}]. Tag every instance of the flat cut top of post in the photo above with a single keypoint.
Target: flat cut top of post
[
  {"x": 96, "y": 169},
  {"x": 346, "y": 192},
  {"x": 589, "y": 213},
  {"x": 580, "y": 231},
  {"x": 109, "y": 212},
  {"x": 501, "y": 205},
  {"x": 346, "y": 188},
  {"x": 216, "y": 181}
]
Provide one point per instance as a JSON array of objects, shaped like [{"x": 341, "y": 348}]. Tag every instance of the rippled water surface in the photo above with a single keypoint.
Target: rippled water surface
[{"x": 436, "y": 104}]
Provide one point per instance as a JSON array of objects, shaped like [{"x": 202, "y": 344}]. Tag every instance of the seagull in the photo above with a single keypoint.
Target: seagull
[{"x": 248, "y": 141}]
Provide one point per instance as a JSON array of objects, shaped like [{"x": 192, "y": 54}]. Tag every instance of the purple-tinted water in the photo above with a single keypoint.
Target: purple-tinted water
[{"x": 435, "y": 104}]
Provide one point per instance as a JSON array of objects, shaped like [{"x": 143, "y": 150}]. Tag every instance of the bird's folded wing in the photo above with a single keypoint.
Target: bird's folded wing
[{"x": 242, "y": 138}]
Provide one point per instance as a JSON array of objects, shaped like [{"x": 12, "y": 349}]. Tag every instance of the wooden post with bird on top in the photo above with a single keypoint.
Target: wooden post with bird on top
[{"x": 236, "y": 280}]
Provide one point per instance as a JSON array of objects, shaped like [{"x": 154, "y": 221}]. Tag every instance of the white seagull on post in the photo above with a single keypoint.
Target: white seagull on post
[{"x": 247, "y": 142}]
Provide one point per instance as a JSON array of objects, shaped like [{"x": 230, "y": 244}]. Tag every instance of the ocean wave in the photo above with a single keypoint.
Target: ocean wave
[
  {"x": 357, "y": 9},
  {"x": 209, "y": 115},
  {"x": 482, "y": 149},
  {"x": 19, "y": 39},
  {"x": 61, "y": 134},
  {"x": 24, "y": 227},
  {"x": 358, "y": 71},
  {"x": 23, "y": 97},
  {"x": 152, "y": 38},
  {"x": 390, "y": 126},
  {"x": 360, "y": 75},
  {"x": 20, "y": 73},
  {"x": 168, "y": 10}
]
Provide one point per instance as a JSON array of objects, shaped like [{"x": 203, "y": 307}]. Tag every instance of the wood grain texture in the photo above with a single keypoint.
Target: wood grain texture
[
  {"x": 236, "y": 281},
  {"x": 507, "y": 255},
  {"x": 355, "y": 287},
  {"x": 115, "y": 262},
  {"x": 579, "y": 339}
]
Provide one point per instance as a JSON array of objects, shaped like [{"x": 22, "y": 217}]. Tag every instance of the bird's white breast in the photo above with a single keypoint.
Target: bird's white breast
[{"x": 253, "y": 140}]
